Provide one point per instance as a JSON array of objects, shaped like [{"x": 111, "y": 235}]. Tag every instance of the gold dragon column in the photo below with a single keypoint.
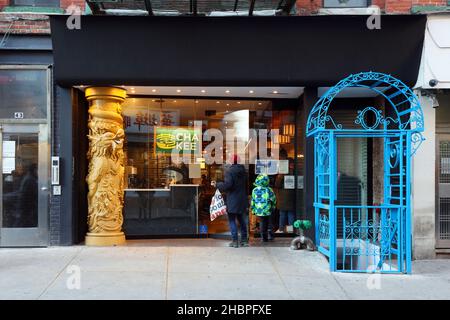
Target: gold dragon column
[{"x": 106, "y": 166}]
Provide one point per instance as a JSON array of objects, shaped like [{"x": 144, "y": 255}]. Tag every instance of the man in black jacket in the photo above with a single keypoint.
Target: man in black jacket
[{"x": 235, "y": 187}]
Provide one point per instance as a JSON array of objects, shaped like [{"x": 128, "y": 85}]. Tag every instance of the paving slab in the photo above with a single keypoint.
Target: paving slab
[
  {"x": 393, "y": 287},
  {"x": 25, "y": 273},
  {"x": 122, "y": 258},
  {"x": 221, "y": 260},
  {"x": 219, "y": 286},
  {"x": 109, "y": 285}
]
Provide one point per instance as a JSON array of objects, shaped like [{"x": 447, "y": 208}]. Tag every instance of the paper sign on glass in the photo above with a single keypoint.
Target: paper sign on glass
[
  {"x": 300, "y": 181},
  {"x": 9, "y": 149},
  {"x": 9, "y": 165},
  {"x": 283, "y": 166},
  {"x": 289, "y": 182}
]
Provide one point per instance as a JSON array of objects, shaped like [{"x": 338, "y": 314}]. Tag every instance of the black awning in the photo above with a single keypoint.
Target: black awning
[{"x": 233, "y": 51}]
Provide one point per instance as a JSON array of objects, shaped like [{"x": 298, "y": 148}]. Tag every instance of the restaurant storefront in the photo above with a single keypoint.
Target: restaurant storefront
[
  {"x": 170, "y": 195},
  {"x": 166, "y": 197}
]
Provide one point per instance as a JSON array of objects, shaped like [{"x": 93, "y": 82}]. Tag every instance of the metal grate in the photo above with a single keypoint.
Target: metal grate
[
  {"x": 444, "y": 165},
  {"x": 369, "y": 240},
  {"x": 444, "y": 219}
]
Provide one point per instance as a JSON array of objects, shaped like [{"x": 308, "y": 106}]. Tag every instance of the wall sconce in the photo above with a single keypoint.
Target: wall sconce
[
  {"x": 289, "y": 130},
  {"x": 285, "y": 139}
]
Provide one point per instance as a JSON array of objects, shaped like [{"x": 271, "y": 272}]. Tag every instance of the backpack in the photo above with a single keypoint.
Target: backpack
[{"x": 263, "y": 201}]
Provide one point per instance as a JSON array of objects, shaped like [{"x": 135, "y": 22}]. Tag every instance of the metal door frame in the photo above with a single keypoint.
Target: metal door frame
[
  {"x": 45, "y": 143},
  {"x": 440, "y": 244},
  {"x": 12, "y": 237}
]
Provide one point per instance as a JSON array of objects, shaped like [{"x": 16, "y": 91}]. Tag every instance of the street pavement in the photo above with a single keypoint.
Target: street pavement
[{"x": 202, "y": 269}]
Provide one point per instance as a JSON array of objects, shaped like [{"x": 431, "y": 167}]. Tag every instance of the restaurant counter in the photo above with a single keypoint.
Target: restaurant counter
[{"x": 160, "y": 212}]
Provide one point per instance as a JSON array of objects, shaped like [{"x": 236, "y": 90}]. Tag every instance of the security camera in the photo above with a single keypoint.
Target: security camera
[{"x": 433, "y": 82}]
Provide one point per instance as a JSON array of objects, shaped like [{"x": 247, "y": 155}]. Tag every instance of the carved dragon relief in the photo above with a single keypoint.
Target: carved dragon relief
[{"x": 105, "y": 177}]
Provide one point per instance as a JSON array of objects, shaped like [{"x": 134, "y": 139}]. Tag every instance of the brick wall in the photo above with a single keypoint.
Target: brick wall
[
  {"x": 307, "y": 7},
  {"x": 24, "y": 23},
  {"x": 67, "y": 3},
  {"x": 3, "y": 3},
  {"x": 30, "y": 23}
]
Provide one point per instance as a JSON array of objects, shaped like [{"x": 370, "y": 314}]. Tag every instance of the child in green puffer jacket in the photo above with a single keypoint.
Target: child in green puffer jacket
[{"x": 263, "y": 203}]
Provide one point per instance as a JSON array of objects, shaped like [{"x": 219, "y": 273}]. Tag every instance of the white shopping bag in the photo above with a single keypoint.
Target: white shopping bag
[{"x": 217, "y": 207}]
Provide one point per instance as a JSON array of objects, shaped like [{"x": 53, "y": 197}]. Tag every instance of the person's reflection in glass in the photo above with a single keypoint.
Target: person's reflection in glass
[{"x": 28, "y": 198}]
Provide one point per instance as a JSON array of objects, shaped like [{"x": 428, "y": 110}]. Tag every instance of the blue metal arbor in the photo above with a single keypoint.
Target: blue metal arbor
[{"x": 367, "y": 238}]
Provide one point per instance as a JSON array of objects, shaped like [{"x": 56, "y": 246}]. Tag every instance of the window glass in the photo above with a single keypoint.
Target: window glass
[
  {"x": 154, "y": 127},
  {"x": 23, "y": 94},
  {"x": 36, "y": 3},
  {"x": 345, "y": 4}
]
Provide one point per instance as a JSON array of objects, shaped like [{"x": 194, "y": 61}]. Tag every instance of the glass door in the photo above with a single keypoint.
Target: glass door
[{"x": 24, "y": 189}]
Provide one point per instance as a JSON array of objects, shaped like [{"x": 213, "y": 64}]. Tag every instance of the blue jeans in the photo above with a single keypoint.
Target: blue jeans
[
  {"x": 286, "y": 215},
  {"x": 232, "y": 217}
]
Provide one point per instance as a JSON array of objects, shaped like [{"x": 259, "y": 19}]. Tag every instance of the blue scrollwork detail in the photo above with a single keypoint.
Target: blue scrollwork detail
[
  {"x": 361, "y": 118},
  {"x": 405, "y": 104},
  {"x": 416, "y": 140},
  {"x": 394, "y": 156},
  {"x": 336, "y": 126}
]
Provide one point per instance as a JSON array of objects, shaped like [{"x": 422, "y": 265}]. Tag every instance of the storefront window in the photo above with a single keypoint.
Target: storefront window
[
  {"x": 23, "y": 94},
  {"x": 155, "y": 127}
]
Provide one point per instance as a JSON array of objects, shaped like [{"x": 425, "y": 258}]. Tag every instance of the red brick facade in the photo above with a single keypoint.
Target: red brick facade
[{"x": 35, "y": 23}]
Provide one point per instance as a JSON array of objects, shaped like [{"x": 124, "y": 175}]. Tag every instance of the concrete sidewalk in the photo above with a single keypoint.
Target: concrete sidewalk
[{"x": 202, "y": 269}]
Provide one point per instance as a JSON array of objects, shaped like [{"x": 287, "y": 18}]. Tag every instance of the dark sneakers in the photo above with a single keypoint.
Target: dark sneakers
[
  {"x": 244, "y": 243},
  {"x": 233, "y": 244}
]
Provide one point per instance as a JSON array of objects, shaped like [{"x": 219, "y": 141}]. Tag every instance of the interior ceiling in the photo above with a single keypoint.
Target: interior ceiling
[
  {"x": 195, "y": 109},
  {"x": 225, "y": 92}
]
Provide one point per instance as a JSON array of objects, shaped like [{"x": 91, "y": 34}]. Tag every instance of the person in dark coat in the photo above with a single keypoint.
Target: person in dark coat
[
  {"x": 285, "y": 197},
  {"x": 235, "y": 187}
]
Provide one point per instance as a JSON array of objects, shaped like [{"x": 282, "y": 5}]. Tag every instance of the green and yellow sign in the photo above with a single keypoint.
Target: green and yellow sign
[{"x": 183, "y": 140}]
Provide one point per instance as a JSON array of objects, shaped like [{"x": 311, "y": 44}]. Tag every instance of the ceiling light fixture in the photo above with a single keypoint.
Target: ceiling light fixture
[
  {"x": 203, "y": 91},
  {"x": 251, "y": 91},
  {"x": 178, "y": 90},
  {"x": 227, "y": 91},
  {"x": 275, "y": 92},
  {"x": 154, "y": 90}
]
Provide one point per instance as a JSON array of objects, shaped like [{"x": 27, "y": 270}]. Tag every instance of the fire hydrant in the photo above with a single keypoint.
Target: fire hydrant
[{"x": 301, "y": 241}]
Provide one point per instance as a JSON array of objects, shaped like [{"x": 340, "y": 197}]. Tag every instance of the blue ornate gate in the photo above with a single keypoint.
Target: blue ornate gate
[{"x": 362, "y": 237}]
